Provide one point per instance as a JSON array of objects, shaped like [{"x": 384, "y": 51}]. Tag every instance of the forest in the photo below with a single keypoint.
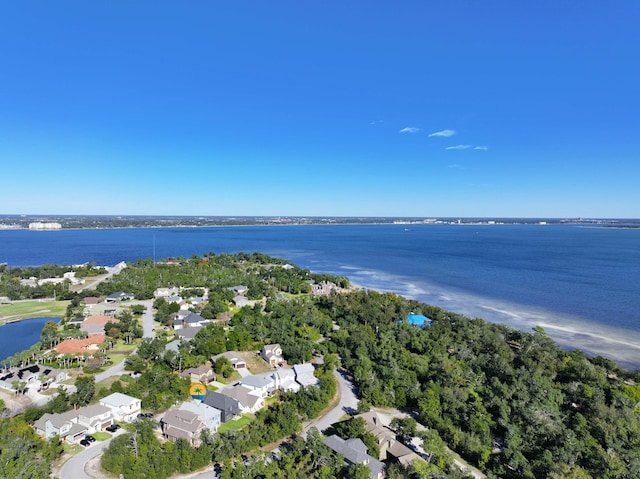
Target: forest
[{"x": 510, "y": 402}]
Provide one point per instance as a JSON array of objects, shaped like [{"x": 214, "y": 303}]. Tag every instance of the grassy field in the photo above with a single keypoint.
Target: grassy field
[
  {"x": 236, "y": 424},
  {"x": 31, "y": 309}
]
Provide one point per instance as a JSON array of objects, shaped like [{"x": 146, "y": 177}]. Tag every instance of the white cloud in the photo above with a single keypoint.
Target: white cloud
[
  {"x": 444, "y": 133},
  {"x": 458, "y": 147},
  {"x": 410, "y": 129},
  {"x": 483, "y": 148},
  {"x": 376, "y": 122}
]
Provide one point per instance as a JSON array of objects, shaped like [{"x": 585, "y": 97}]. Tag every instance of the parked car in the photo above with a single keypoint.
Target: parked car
[
  {"x": 113, "y": 427},
  {"x": 85, "y": 443},
  {"x": 90, "y": 438}
]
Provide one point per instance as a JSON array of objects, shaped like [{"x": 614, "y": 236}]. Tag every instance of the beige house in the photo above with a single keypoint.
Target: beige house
[{"x": 182, "y": 424}]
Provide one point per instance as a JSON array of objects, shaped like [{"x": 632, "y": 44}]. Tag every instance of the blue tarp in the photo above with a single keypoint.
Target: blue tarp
[{"x": 418, "y": 320}]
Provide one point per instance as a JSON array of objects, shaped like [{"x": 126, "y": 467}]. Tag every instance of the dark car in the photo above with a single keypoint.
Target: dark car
[
  {"x": 113, "y": 427},
  {"x": 90, "y": 438},
  {"x": 84, "y": 443}
]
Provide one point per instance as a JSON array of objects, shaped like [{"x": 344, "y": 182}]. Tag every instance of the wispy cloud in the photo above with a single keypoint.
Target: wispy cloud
[
  {"x": 410, "y": 129},
  {"x": 458, "y": 147},
  {"x": 444, "y": 133},
  {"x": 376, "y": 122},
  {"x": 467, "y": 147}
]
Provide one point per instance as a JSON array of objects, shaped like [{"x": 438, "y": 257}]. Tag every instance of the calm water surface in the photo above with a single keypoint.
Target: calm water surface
[{"x": 579, "y": 283}]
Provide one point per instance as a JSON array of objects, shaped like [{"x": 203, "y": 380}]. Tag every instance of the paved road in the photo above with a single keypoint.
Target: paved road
[
  {"x": 147, "y": 332},
  {"x": 74, "y": 468},
  {"x": 92, "y": 282},
  {"x": 348, "y": 402}
]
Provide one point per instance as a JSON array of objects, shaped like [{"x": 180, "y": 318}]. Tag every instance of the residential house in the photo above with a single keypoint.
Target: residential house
[
  {"x": 286, "y": 380},
  {"x": 73, "y": 425},
  {"x": 234, "y": 358},
  {"x": 78, "y": 346},
  {"x": 165, "y": 292},
  {"x": 228, "y": 406},
  {"x": 261, "y": 384},
  {"x": 77, "y": 320},
  {"x": 182, "y": 424},
  {"x": 390, "y": 448},
  {"x": 173, "y": 345},
  {"x": 119, "y": 296},
  {"x": 95, "y": 323},
  {"x": 323, "y": 288},
  {"x": 354, "y": 451},
  {"x": 241, "y": 301},
  {"x": 210, "y": 416},
  {"x": 187, "y": 334},
  {"x": 177, "y": 299},
  {"x": 95, "y": 417},
  {"x": 189, "y": 320},
  {"x": 249, "y": 400},
  {"x": 35, "y": 374},
  {"x": 196, "y": 301},
  {"x": 202, "y": 374},
  {"x": 304, "y": 375},
  {"x": 123, "y": 407},
  {"x": 64, "y": 425},
  {"x": 240, "y": 289},
  {"x": 272, "y": 353}
]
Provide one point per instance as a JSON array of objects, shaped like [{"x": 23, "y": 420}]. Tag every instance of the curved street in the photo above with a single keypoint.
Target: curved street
[{"x": 75, "y": 467}]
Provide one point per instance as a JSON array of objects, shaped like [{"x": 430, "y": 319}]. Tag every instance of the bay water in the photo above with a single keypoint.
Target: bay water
[{"x": 579, "y": 283}]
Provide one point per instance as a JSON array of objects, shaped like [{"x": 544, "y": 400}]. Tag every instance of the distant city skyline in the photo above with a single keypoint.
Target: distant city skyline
[{"x": 373, "y": 109}]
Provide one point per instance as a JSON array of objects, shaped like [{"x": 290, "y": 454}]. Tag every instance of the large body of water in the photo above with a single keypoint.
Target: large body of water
[{"x": 580, "y": 284}]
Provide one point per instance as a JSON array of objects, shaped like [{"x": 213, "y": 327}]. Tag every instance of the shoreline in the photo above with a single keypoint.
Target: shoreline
[{"x": 568, "y": 333}]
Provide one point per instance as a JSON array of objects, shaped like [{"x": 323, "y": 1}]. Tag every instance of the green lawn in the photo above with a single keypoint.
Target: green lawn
[
  {"x": 236, "y": 424},
  {"x": 101, "y": 435},
  {"x": 32, "y": 309}
]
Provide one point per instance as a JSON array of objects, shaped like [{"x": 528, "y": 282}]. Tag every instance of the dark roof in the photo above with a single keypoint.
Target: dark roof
[
  {"x": 227, "y": 405},
  {"x": 193, "y": 318},
  {"x": 120, "y": 295}
]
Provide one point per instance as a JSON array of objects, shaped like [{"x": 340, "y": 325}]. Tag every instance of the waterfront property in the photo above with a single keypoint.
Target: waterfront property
[{"x": 42, "y": 377}]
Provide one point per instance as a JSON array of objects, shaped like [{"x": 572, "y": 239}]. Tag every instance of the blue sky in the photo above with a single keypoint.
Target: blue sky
[{"x": 359, "y": 108}]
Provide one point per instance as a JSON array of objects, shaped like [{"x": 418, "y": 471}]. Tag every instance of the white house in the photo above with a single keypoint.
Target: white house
[
  {"x": 124, "y": 408},
  {"x": 286, "y": 380},
  {"x": 305, "y": 376},
  {"x": 96, "y": 417},
  {"x": 165, "y": 292},
  {"x": 261, "y": 384},
  {"x": 272, "y": 353}
]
